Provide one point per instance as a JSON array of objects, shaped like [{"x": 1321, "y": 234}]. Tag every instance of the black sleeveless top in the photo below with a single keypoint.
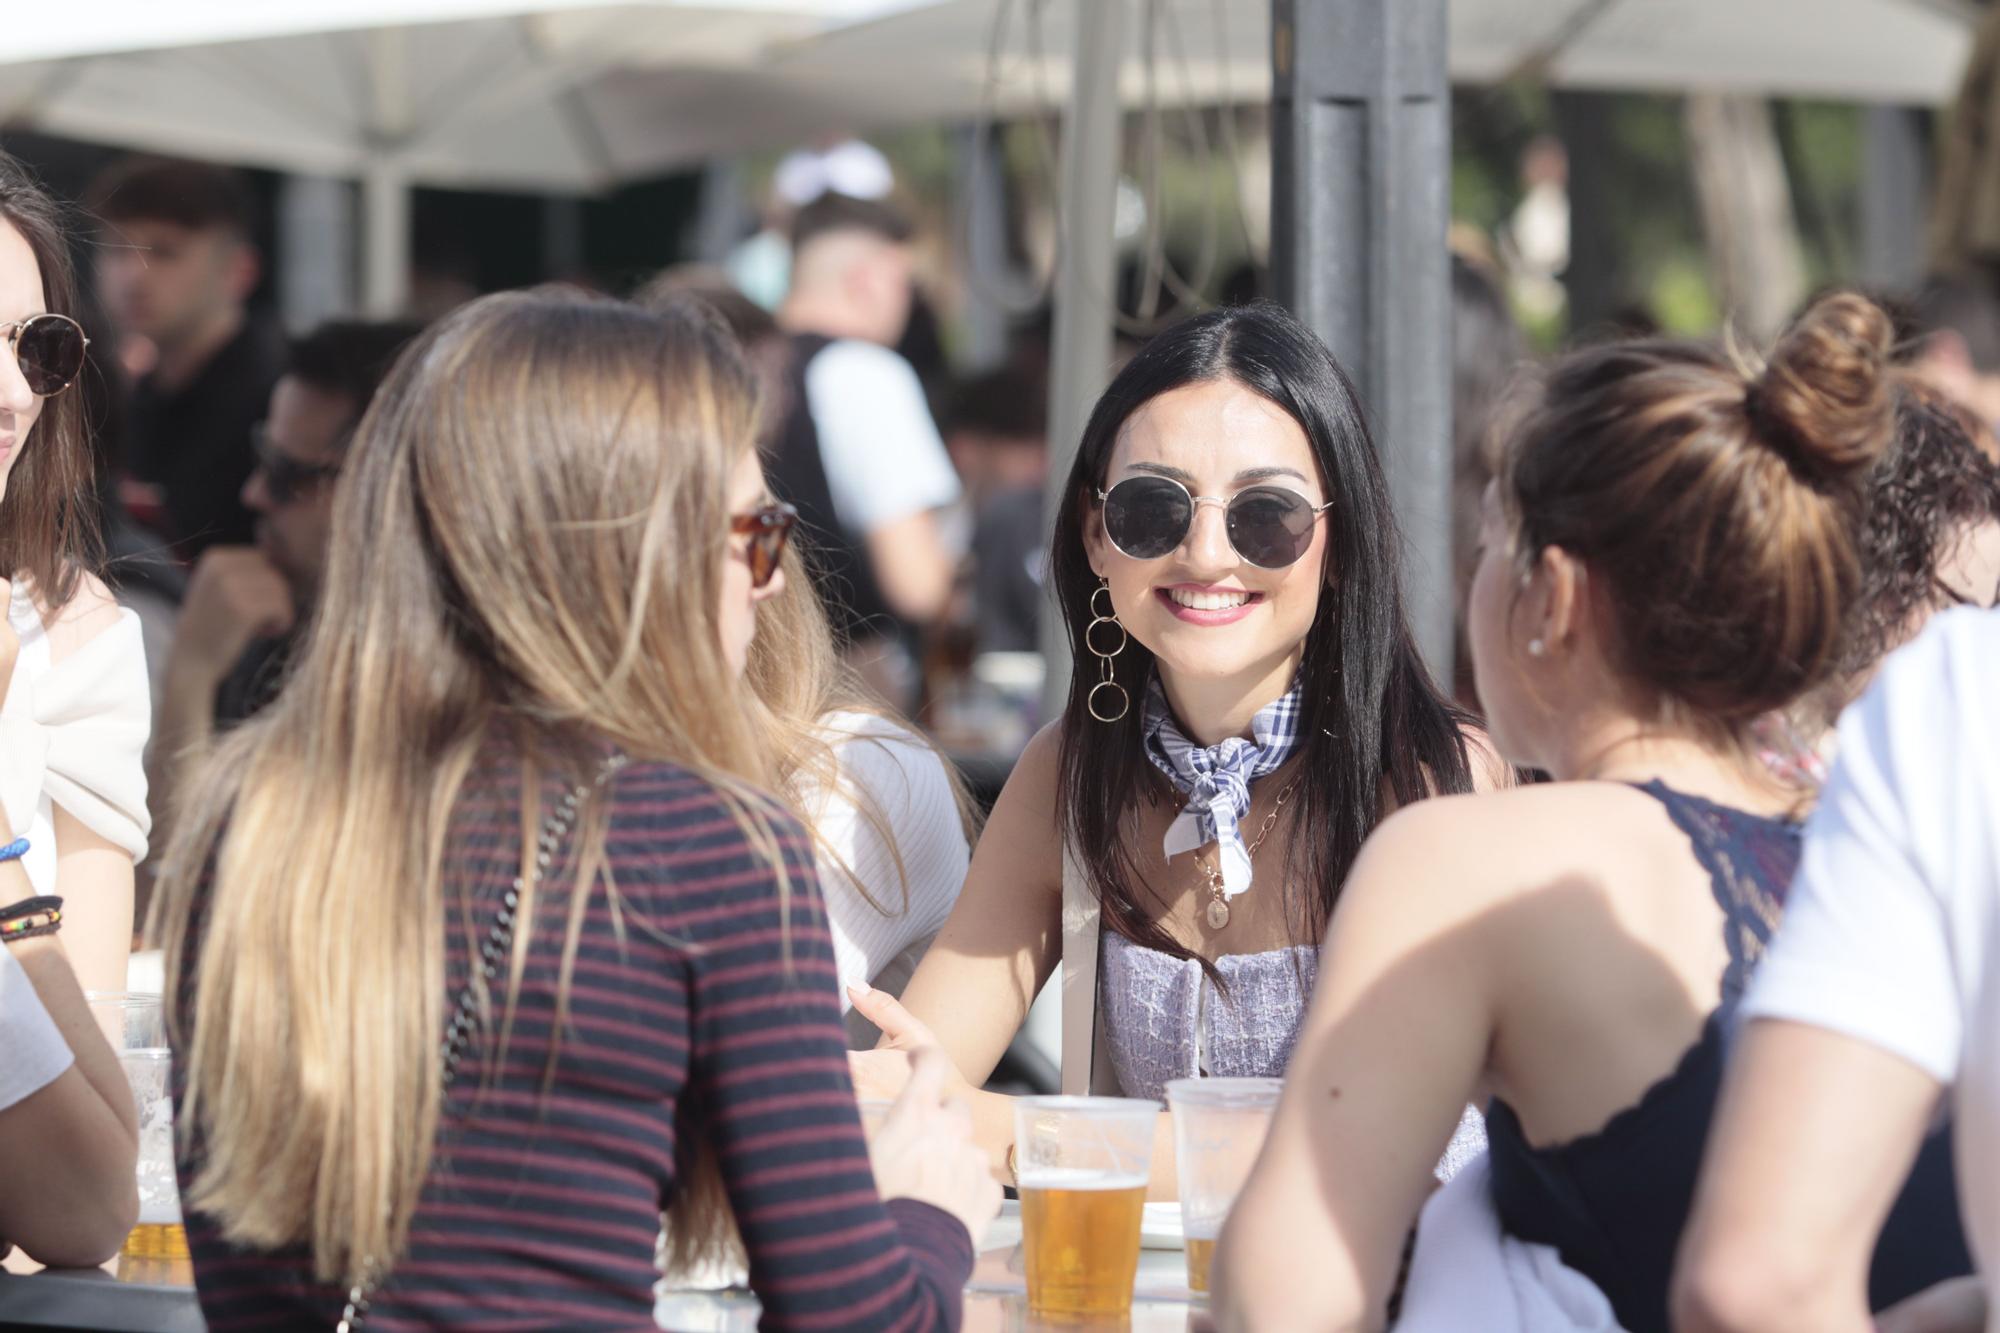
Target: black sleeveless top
[
  {"x": 835, "y": 557},
  {"x": 1614, "y": 1202}
]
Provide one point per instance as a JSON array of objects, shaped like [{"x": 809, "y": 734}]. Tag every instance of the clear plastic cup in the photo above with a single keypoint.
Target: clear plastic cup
[
  {"x": 1219, "y": 1127},
  {"x": 136, "y": 1026},
  {"x": 1082, "y": 1164}
]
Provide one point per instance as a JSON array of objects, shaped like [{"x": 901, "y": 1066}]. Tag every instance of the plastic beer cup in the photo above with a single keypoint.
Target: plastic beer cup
[
  {"x": 1219, "y": 1127},
  {"x": 135, "y": 1024},
  {"x": 1082, "y": 1164}
]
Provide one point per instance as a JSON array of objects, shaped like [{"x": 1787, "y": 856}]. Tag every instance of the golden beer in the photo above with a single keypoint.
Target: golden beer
[
  {"x": 1080, "y": 1237},
  {"x": 156, "y": 1240},
  {"x": 1200, "y": 1254}
]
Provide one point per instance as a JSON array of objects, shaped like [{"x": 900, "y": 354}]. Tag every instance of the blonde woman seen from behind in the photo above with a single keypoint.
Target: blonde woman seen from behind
[{"x": 493, "y": 885}]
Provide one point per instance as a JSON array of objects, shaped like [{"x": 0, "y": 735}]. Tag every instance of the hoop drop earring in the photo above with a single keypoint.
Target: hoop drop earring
[{"x": 1099, "y": 619}]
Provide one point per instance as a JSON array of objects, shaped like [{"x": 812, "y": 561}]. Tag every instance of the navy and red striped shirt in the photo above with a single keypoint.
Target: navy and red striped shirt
[{"x": 687, "y": 1018}]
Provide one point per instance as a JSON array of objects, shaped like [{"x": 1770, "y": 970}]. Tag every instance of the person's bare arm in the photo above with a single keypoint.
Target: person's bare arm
[
  {"x": 70, "y": 1194},
  {"x": 1813, "y": 1137},
  {"x": 911, "y": 566},
  {"x": 235, "y": 596},
  {"x": 95, "y": 879},
  {"x": 1000, "y": 944},
  {"x": 1393, "y": 1046}
]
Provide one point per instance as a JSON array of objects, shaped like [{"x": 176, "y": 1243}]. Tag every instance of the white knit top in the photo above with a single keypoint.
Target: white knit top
[
  {"x": 73, "y": 734},
  {"x": 908, "y": 782}
]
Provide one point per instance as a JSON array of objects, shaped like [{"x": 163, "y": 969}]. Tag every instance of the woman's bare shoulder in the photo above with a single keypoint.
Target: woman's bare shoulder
[{"x": 1469, "y": 854}]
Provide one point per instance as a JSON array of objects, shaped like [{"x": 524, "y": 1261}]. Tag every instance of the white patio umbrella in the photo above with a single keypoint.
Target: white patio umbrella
[
  {"x": 562, "y": 95},
  {"x": 398, "y": 92}
]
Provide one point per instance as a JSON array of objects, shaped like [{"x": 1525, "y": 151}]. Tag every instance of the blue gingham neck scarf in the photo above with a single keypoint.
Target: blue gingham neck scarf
[{"x": 1216, "y": 780}]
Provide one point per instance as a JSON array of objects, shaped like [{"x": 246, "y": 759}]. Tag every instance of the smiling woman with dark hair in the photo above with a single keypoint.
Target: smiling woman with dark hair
[{"x": 1248, "y": 704}]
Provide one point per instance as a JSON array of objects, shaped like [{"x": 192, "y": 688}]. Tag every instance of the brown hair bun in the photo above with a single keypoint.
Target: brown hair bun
[{"x": 1824, "y": 400}]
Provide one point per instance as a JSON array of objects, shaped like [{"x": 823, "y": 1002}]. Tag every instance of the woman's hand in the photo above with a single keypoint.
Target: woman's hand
[
  {"x": 881, "y": 1073},
  {"x": 924, "y": 1150}
]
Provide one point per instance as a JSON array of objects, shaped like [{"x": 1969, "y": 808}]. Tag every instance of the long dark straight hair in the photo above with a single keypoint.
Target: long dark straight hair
[
  {"x": 49, "y": 521},
  {"x": 1373, "y": 724}
]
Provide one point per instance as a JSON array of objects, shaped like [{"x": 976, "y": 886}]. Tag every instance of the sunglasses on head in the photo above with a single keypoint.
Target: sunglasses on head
[
  {"x": 1269, "y": 526},
  {"x": 285, "y": 477},
  {"x": 768, "y": 527},
  {"x": 48, "y": 349}
]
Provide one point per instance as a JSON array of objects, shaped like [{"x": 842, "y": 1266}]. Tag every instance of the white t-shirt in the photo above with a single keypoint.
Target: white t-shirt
[
  {"x": 34, "y": 1052},
  {"x": 1892, "y": 932},
  {"x": 877, "y": 442},
  {"x": 881, "y": 946}
]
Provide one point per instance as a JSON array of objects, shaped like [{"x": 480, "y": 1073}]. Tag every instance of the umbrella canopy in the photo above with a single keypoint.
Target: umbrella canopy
[
  {"x": 573, "y": 95},
  {"x": 447, "y": 92}
]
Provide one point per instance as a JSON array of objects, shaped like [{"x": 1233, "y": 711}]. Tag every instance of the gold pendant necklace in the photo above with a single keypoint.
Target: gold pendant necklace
[{"x": 1217, "y": 912}]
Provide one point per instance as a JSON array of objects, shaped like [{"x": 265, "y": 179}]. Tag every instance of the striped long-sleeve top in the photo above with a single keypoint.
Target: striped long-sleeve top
[{"x": 543, "y": 1203}]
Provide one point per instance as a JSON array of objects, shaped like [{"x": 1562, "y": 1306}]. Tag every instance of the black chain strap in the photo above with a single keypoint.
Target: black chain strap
[{"x": 459, "y": 1031}]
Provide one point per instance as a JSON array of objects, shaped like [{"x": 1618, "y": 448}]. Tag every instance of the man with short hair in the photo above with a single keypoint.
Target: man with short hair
[
  {"x": 857, "y": 451},
  {"x": 1879, "y": 998},
  {"x": 175, "y": 270},
  {"x": 245, "y": 604}
]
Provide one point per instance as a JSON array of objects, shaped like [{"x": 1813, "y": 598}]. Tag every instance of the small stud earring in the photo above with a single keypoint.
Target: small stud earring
[{"x": 1536, "y": 648}]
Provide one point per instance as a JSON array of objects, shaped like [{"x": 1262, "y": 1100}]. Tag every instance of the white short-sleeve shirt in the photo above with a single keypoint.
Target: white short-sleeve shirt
[
  {"x": 1892, "y": 931},
  {"x": 883, "y": 457},
  {"x": 879, "y": 943}
]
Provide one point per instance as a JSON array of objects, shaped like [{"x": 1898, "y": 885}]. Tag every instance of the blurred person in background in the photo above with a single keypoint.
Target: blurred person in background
[
  {"x": 1956, "y": 343},
  {"x": 1668, "y": 554},
  {"x": 72, "y": 794},
  {"x": 858, "y": 452},
  {"x": 245, "y": 607},
  {"x": 1486, "y": 351},
  {"x": 1247, "y": 703},
  {"x": 891, "y": 825},
  {"x": 518, "y": 730},
  {"x": 74, "y": 723},
  {"x": 997, "y": 435},
  {"x": 175, "y": 269},
  {"x": 1878, "y": 1005},
  {"x": 1930, "y": 541}
]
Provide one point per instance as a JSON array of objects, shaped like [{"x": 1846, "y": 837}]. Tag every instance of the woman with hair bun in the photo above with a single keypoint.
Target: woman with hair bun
[{"x": 1668, "y": 554}]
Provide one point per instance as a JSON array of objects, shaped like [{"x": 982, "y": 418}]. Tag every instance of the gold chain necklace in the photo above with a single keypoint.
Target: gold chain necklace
[{"x": 1217, "y": 913}]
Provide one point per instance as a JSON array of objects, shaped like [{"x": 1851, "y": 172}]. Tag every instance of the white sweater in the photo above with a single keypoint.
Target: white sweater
[{"x": 907, "y": 779}]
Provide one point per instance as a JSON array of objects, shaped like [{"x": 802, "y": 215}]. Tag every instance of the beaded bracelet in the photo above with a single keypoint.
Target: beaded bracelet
[
  {"x": 46, "y": 922},
  {"x": 29, "y": 906},
  {"x": 14, "y": 850}
]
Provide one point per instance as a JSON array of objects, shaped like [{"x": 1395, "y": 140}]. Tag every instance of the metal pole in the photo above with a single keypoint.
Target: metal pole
[
  {"x": 982, "y": 247},
  {"x": 1360, "y": 207},
  {"x": 1084, "y": 276},
  {"x": 315, "y": 250},
  {"x": 385, "y": 208},
  {"x": 1895, "y": 175}
]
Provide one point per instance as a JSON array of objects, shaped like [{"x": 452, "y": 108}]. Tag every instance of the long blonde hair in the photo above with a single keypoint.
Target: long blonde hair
[{"x": 527, "y": 542}]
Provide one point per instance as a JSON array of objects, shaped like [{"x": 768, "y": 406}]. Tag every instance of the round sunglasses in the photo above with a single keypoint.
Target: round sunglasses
[
  {"x": 49, "y": 350},
  {"x": 1269, "y": 526},
  {"x": 768, "y": 527}
]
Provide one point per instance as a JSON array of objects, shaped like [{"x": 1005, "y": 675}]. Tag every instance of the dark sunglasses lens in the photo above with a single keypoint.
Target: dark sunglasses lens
[
  {"x": 1146, "y": 517},
  {"x": 767, "y": 547},
  {"x": 1270, "y": 527},
  {"x": 50, "y": 351}
]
